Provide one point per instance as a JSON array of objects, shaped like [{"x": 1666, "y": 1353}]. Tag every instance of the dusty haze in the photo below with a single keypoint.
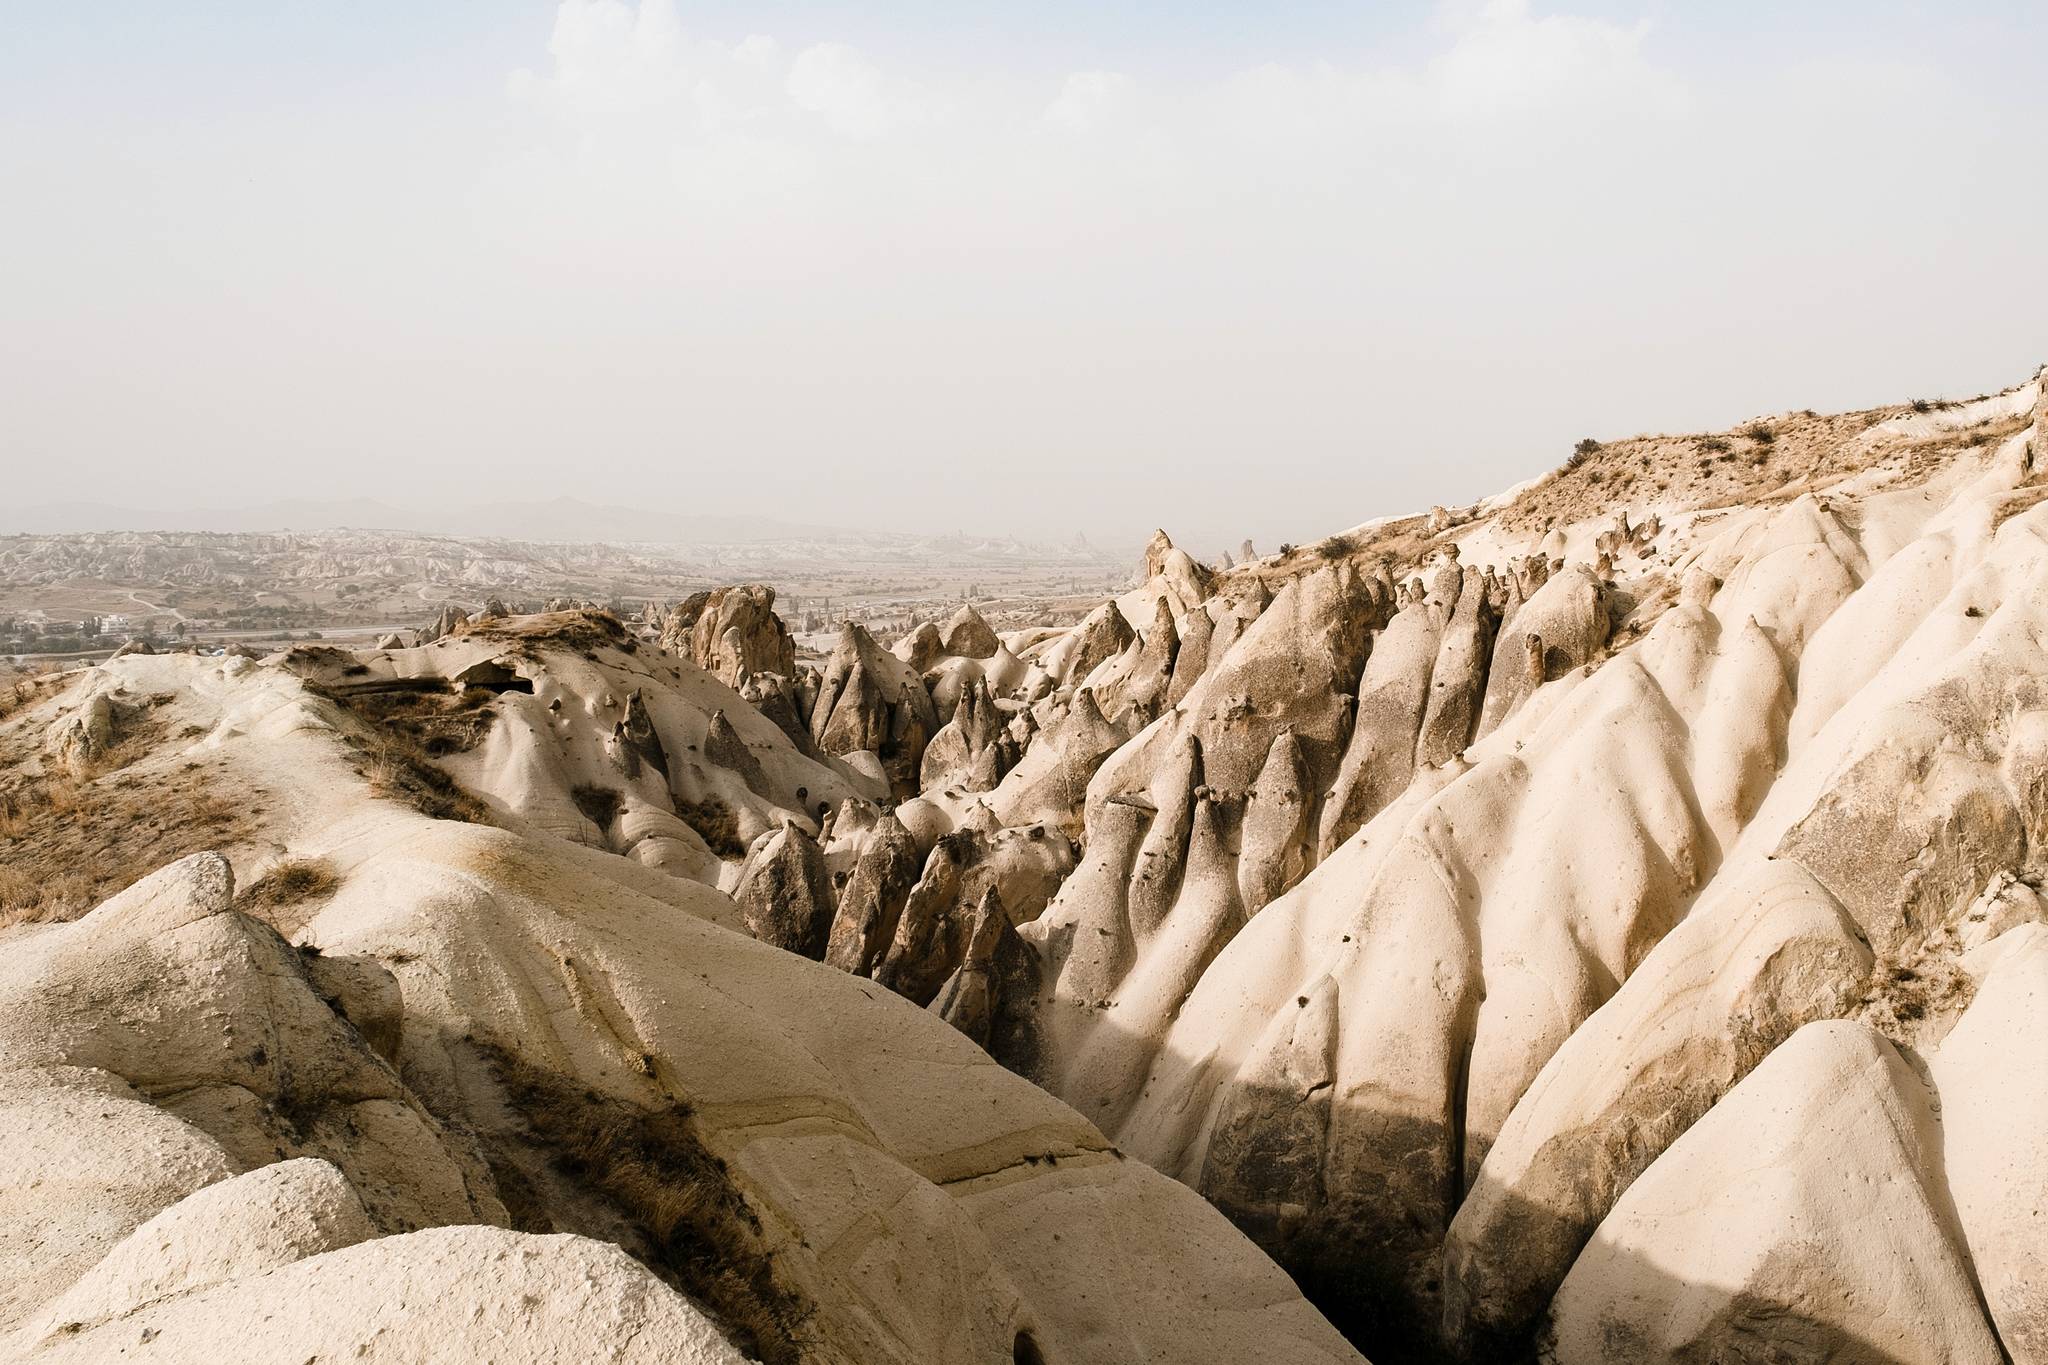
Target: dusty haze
[{"x": 1009, "y": 273}]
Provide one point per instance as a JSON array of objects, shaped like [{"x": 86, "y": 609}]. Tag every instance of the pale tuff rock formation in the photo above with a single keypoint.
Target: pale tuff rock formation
[
  {"x": 579, "y": 1047},
  {"x": 922, "y": 647},
  {"x": 1991, "y": 1073},
  {"x": 1806, "y": 1209},
  {"x": 1050, "y": 781},
  {"x": 91, "y": 1161},
  {"x": 635, "y": 741},
  {"x": 1393, "y": 693},
  {"x": 969, "y": 636},
  {"x": 869, "y": 700},
  {"x": 246, "y": 1225},
  {"x": 787, "y": 702},
  {"x": 1563, "y": 625},
  {"x": 1570, "y": 928},
  {"x": 988, "y": 996},
  {"x": 1102, "y": 635},
  {"x": 886, "y": 865},
  {"x": 1175, "y": 577},
  {"x": 1457, "y": 680},
  {"x": 1137, "y": 682},
  {"x": 1288, "y": 673},
  {"x": 166, "y": 992},
  {"x": 556, "y": 721},
  {"x": 248, "y": 1052},
  {"x": 1274, "y": 837},
  {"x": 785, "y": 894},
  {"x": 724, "y": 747},
  {"x": 1761, "y": 957},
  {"x": 1024, "y": 866},
  {"x": 451, "y": 620},
  {"x": 974, "y": 749},
  {"x": 1193, "y": 637},
  {"x": 469, "y": 1293},
  {"x": 731, "y": 633},
  {"x": 1800, "y": 737},
  {"x": 84, "y": 737},
  {"x": 1002, "y": 673}
]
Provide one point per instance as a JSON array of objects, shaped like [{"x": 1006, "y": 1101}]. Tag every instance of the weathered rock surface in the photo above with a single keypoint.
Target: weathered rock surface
[
  {"x": 1550, "y": 928},
  {"x": 785, "y": 893},
  {"x": 870, "y": 700},
  {"x": 731, "y": 632},
  {"x": 1804, "y": 1214}
]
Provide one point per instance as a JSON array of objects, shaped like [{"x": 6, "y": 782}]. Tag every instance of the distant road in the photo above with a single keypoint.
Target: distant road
[{"x": 137, "y": 597}]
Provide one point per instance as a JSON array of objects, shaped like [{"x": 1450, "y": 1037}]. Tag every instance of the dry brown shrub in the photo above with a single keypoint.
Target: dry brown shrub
[
  {"x": 716, "y": 823},
  {"x": 406, "y": 724},
  {"x": 289, "y": 882}
]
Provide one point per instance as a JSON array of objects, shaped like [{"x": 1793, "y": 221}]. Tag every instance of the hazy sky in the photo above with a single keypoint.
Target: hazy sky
[{"x": 1252, "y": 269}]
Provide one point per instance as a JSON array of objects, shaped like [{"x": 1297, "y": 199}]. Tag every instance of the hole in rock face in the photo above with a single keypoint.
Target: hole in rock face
[{"x": 1026, "y": 1352}]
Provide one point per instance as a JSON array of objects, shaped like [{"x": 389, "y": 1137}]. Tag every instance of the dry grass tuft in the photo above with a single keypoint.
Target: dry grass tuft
[
  {"x": 20, "y": 688},
  {"x": 287, "y": 883},
  {"x": 1914, "y": 994},
  {"x": 715, "y": 822},
  {"x": 399, "y": 769},
  {"x": 30, "y": 899}
]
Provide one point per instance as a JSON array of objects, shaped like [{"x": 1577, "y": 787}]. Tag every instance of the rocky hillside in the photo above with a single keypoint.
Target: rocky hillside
[{"x": 1599, "y": 924}]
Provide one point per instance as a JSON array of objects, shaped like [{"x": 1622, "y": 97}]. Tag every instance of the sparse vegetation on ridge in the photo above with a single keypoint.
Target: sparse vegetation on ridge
[
  {"x": 291, "y": 881},
  {"x": 649, "y": 1165},
  {"x": 716, "y": 823}
]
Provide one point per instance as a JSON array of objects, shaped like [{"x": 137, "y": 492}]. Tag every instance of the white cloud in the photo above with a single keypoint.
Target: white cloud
[
  {"x": 612, "y": 57},
  {"x": 850, "y": 94},
  {"x": 625, "y": 74},
  {"x": 1505, "y": 61},
  {"x": 1089, "y": 99}
]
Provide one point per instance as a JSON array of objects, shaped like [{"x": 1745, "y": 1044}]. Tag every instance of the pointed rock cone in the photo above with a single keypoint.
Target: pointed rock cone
[
  {"x": 922, "y": 648},
  {"x": 1568, "y": 620},
  {"x": 1379, "y": 759},
  {"x": 723, "y": 746},
  {"x": 1155, "y": 881},
  {"x": 1274, "y": 840},
  {"x": 968, "y": 999},
  {"x": 1108, "y": 1077},
  {"x": 637, "y": 740},
  {"x": 1086, "y": 929},
  {"x": 1458, "y": 682},
  {"x": 1153, "y": 674},
  {"x": 1101, "y": 637},
  {"x": 923, "y": 954},
  {"x": 1192, "y": 653},
  {"x": 785, "y": 894},
  {"x": 970, "y": 636},
  {"x": 871, "y": 906}
]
